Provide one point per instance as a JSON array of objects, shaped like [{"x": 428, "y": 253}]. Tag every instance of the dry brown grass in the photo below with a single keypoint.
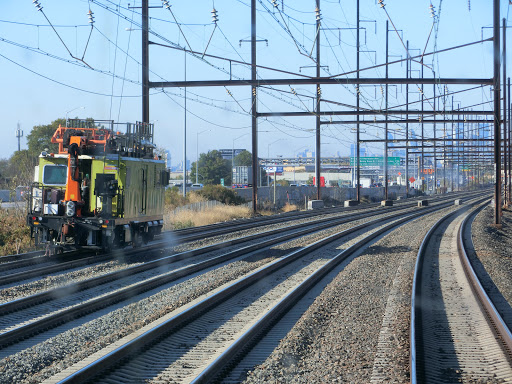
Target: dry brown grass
[
  {"x": 213, "y": 215},
  {"x": 194, "y": 197},
  {"x": 289, "y": 207}
]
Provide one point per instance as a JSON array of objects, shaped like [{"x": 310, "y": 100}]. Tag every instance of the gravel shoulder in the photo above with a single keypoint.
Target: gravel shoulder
[{"x": 493, "y": 248}]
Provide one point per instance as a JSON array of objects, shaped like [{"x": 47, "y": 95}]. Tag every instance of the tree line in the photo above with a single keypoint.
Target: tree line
[{"x": 19, "y": 168}]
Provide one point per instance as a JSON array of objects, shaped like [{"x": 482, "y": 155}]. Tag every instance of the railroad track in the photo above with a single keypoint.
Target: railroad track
[
  {"x": 29, "y": 268},
  {"x": 456, "y": 333},
  {"x": 213, "y": 329},
  {"x": 16, "y": 326}
]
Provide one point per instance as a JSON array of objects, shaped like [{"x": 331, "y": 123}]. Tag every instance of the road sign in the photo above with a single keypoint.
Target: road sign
[
  {"x": 222, "y": 182},
  {"x": 273, "y": 170},
  {"x": 412, "y": 179},
  {"x": 367, "y": 161}
]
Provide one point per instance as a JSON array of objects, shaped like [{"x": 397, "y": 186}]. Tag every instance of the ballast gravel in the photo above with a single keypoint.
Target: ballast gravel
[
  {"x": 49, "y": 357},
  {"x": 60, "y": 279},
  {"x": 493, "y": 248},
  {"x": 357, "y": 330}
]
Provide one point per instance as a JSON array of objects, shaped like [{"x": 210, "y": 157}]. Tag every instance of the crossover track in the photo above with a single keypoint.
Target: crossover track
[
  {"x": 456, "y": 333},
  {"x": 195, "y": 342}
]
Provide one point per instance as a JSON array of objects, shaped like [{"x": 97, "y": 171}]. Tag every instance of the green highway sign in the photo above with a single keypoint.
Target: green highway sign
[{"x": 374, "y": 161}]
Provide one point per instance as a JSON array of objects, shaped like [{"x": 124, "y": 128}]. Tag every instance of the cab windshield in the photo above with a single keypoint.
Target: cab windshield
[{"x": 55, "y": 174}]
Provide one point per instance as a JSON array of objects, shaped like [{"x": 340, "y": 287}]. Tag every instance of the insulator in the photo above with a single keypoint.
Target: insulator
[
  {"x": 381, "y": 90},
  {"x": 318, "y": 15},
  {"x": 90, "y": 14},
  {"x": 254, "y": 91},
  {"x": 166, "y": 4},
  {"x": 38, "y": 6},
  {"x": 214, "y": 16},
  {"x": 381, "y": 3},
  {"x": 293, "y": 91},
  {"x": 432, "y": 11},
  {"x": 274, "y": 3},
  {"x": 319, "y": 90}
]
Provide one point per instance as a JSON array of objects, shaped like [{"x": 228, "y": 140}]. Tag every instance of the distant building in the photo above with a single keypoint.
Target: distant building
[
  {"x": 179, "y": 167},
  {"x": 362, "y": 151},
  {"x": 306, "y": 153}
]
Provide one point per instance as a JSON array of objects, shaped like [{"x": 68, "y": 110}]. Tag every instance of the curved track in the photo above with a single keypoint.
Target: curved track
[{"x": 456, "y": 334}]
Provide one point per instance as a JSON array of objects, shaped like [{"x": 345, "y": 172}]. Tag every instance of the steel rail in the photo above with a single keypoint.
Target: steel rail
[
  {"x": 415, "y": 307},
  {"x": 76, "y": 311},
  {"x": 14, "y": 305},
  {"x": 185, "y": 236},
  {"x": 228, "y": 358},
  {"x": 180, "y": 232},
  {"x": 501, "y": 329},
  {"x": 145, "y": 337},
  {"x": 20, "y": 256}
]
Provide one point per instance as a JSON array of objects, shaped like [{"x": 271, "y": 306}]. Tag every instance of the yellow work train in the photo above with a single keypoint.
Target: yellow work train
[{"x": 103, "y": 189}]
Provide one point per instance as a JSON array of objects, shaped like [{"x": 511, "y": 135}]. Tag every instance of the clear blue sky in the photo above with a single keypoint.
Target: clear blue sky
[{"x": 41, "y": 81}]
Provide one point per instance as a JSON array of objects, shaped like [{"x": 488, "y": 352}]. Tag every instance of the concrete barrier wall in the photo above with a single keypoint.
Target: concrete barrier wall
[{"x": 331, "y": 195}]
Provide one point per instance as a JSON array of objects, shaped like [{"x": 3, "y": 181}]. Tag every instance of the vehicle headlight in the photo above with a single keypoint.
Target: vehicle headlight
[{"x": 70, "y": 208}]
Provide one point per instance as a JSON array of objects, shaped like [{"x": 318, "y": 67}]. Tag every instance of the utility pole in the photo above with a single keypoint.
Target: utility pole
[
  {"x": 386, "y": 126},
  {"x": 434, "y": 187},
  {"x": 358, "y": 159},
  {"x": 19, "y": 135},
  {"x": 444, "y": 141},
  {"x": 509, "y": 140},
  {"x": 407, "y": 64},
  {"x": 184, "y": 131},
  {"x": 422, "y": 139},
  {"x": 145, "y": 61},
  {"x": 254, "y": 111},
  {"x": 497, "y": 114},
  {"x": 507, "y": 196},
  {"x": 451, "y": 164},
  {"x": 318, "y": 97}
]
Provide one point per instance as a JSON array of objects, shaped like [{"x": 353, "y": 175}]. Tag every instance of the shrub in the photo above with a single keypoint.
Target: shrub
[
  {"x": 222, "y": 194},
  {"x": 14, "y": 232},
  {"x": 174, "y": 198}
]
